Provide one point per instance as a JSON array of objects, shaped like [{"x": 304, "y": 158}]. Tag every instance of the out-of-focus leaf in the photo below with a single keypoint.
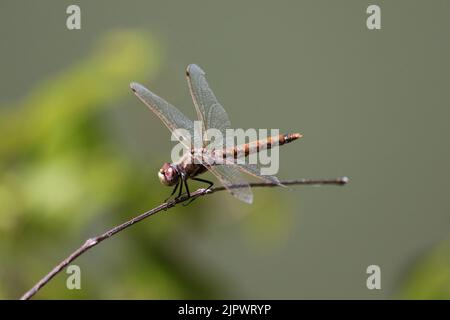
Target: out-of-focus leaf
[{"x": 429, "y": 278}]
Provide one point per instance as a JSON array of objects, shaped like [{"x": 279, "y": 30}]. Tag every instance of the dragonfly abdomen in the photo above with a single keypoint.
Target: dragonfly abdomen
[
  {"x": 249, "y": 148},
  {"x": 216, "y": 156}
]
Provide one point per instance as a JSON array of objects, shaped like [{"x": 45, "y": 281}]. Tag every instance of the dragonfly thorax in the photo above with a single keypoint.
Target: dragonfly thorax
[{"x": 168, "y": 175}]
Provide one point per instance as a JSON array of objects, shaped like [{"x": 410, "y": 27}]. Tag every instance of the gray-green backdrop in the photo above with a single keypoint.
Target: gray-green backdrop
[{"x": 372, "y": 104}]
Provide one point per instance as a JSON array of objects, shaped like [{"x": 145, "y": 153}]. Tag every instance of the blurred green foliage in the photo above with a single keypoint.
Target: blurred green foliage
[
  {"x": 429, "y": 277},
  {"x": 64, "y": 178}
]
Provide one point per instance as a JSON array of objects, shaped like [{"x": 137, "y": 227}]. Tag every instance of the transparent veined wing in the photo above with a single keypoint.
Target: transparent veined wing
[
  {"x": 255, "y": 171},
  {"x": 231, "y": 178},
  {"x": 216, "y": 157},
  {"x": 209, "y": 110},
  {"x": 172, "y": 117},
  {"x": 251, "y": 169}
]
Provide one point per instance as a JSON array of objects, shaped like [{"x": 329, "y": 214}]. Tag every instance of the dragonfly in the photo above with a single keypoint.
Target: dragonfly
[{"x": 208, "y": 155}]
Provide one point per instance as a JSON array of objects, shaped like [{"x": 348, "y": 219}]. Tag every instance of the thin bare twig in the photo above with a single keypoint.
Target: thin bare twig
[{"x": 92, "y": 242}]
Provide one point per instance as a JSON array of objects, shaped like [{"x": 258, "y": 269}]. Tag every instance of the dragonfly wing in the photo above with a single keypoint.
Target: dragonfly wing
[
  {"x": 252, "y": 169},
  {"x": 172, "y": 117},
  {"x": 255, "y": 171},
  {"x": 234, "y": 182},
  {"x": 231, "y": 178},
  {"x": 209, "y": 110}
]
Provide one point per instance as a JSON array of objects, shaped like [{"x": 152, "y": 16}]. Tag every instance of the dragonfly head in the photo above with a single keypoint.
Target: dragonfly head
[{"x": 168, "y": 175}]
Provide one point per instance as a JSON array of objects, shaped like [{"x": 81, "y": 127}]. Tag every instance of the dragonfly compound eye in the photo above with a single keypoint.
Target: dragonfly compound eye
[{"x": 168, "y": 175}]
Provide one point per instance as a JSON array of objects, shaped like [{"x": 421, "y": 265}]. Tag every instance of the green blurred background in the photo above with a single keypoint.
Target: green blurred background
[{"x": 79, "y": 153}]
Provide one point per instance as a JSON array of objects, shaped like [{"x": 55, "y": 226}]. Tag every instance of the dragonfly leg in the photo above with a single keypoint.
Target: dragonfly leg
[
  {"x": 173, "y": 191},
  {"x": 181, "y": 188},
  {"x": 187, "y": 188},
  {"x": 183, "y": 182},
  {"x": 210, "y": 184}
]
